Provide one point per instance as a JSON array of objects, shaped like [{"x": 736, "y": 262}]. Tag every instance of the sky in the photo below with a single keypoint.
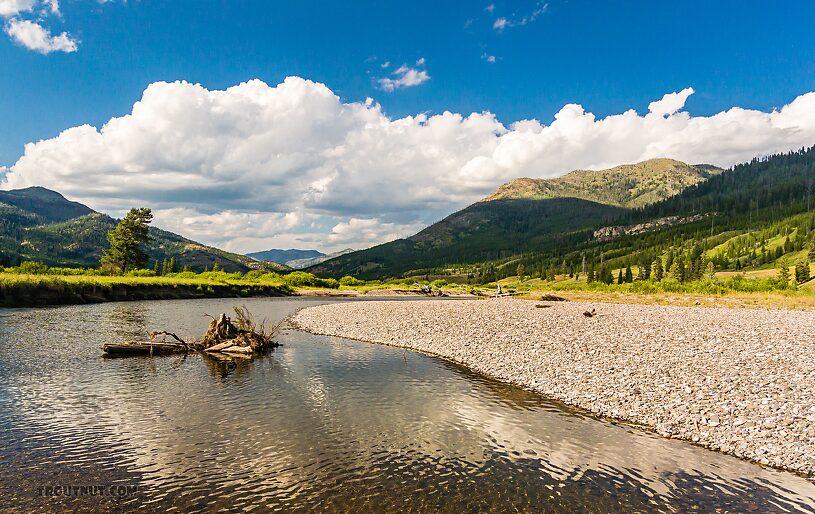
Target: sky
[{"x": 257, "y": 124}]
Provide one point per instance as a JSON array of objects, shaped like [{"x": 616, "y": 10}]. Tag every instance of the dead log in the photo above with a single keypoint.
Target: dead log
[
  {"x": 219, "y": 346},
  {"x": 242, "y": 336},
  {"x": 237, "y": 349}
]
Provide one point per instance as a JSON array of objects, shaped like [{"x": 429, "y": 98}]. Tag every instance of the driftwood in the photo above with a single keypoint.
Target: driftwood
[
  {"x": 144, "y": 348},
  {"x": 237, "y": 349},
  {"x": 243, "y": 336},
  {"x": 218, "y": 347}
]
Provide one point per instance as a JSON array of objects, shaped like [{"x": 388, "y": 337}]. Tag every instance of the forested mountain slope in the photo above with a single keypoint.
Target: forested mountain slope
[
  {"x": 37, "y": 224},
  {"x": 525, "y": 215},
  {"x": 749, "y": 217}
]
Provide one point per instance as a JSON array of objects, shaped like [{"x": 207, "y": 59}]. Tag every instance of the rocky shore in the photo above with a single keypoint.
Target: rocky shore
[{"x": 734, "y": 380}]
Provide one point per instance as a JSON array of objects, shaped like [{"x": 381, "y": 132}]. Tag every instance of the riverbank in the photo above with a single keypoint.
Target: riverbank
[
  {"x": 734, "y": 380},
  {"x": 29, "y": 290},
  {"x": 44, "y": 290}
]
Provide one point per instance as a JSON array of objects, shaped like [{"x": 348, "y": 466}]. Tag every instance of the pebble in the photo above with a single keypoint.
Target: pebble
[{"x": 727, "y": 379}]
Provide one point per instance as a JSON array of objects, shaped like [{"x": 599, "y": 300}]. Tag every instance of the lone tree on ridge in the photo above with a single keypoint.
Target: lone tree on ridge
[{"x": 125, "y": 240}]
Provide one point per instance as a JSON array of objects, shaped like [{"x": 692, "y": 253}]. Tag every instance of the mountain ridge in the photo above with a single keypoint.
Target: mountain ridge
[
  {"x": 525, "y": 215},
  {"x": 284, "y": 256},
  {"x": 40, "y": 224},
  {"x": 627, "y": 185}
]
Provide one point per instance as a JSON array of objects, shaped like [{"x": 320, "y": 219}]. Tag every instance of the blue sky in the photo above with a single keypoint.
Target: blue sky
[{"x": 608, "y": 57}]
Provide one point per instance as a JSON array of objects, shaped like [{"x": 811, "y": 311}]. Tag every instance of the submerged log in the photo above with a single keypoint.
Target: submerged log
[{"x": 144, "y": 348}]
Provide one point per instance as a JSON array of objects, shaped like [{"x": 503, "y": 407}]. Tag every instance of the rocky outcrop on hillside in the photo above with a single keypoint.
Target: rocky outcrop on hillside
[{"x": 611, "y": 232}]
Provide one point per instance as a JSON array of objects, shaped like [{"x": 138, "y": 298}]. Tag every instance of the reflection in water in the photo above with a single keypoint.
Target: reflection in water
[{"x": 321, "y": 423}]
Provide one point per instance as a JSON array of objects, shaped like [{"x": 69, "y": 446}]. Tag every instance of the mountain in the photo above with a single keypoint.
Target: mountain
[
  {"x": 525, "y": 215},
  {"x": 306, "y": 262},
  {"x": 49, "y": 205},
  {"x": 747, "y": 217},
  {"x": 38, "y": 224},
  {"x": 629, "y": 185},
  {"x": 285, "y": 256}
]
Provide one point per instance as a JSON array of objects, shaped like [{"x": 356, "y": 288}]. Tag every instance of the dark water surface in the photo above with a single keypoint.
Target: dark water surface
[{"x": 322, "y": 424}]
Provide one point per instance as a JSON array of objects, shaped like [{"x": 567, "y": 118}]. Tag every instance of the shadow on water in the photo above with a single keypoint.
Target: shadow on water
[{"x": 321, "y": 424}]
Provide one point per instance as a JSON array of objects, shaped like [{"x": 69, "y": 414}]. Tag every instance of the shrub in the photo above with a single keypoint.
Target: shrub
[
  {"x": 348, "y": 280},
  {"x": 110, "y": 269},
  {"x": 72, "y": 271},
  {"x": 217, "y": 276},
  {"x": 438, "y": 284},
  {"x": 303, "y": 279},
  {"x": 255, "y": 274},
  {"x": 33, "y": 268},
  {"x": 141, "y": 273},
  {"x": 183, "y": 274}
]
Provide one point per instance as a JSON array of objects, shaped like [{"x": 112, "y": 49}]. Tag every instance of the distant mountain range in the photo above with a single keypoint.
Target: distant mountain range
[
  {"x": 284, "y": 256},
  {"x": 555, "y": 222},
  {"x": 38, "y": 224},
  {"x": 294, "y": 258}
]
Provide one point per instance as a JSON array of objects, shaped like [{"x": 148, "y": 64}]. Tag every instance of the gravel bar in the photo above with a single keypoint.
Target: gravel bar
[{"x": 735, "y": 380}]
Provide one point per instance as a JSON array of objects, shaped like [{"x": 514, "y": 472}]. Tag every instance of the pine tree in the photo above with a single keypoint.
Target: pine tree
[
  {"x": 620, "y": 277},
  {"x": 520, "y": 272},
  {"x": 629, "y": 275},
  {"x": 216, "y": 267},
  {"x": 802, "y": 271},
  {"x": 165, "y": 267},
  {"x": 678, "y": 271},
  {"x": 644, "y": 268},
  {"x": 657, "y": 271},
  {"x": 171, "y": 265},
  {"x": 606, "y": 276},
  {"x": 784, "y": 272},
  {"x": 157, "y": 267},
  {"x": 125, "y": 240},
  {"x": 696, "y": 263}
]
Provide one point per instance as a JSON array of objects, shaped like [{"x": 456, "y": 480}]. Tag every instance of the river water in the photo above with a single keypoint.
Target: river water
[{"x": 321, "y": 423}]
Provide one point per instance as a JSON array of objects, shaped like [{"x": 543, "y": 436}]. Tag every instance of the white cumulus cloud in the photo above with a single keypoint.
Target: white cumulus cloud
[
  {"x": 256, "y": 166},
  {"x": 10, "y": 8},
  {"x": 405, "y": 76},
  {"x": 670, "y": 103},
  {"x": 36, "y": 37}
]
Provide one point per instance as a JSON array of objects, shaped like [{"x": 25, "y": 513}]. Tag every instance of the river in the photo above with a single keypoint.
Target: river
[{"x": 322, "y": 424}]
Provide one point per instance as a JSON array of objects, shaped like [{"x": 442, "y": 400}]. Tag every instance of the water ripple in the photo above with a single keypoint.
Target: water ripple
[{"x": 320, "y": 424}]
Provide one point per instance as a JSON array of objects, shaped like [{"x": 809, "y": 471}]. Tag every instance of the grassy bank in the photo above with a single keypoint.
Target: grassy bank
[
  {"x": 750, "y": 289},
  {"x": 29, "y": 290}
]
